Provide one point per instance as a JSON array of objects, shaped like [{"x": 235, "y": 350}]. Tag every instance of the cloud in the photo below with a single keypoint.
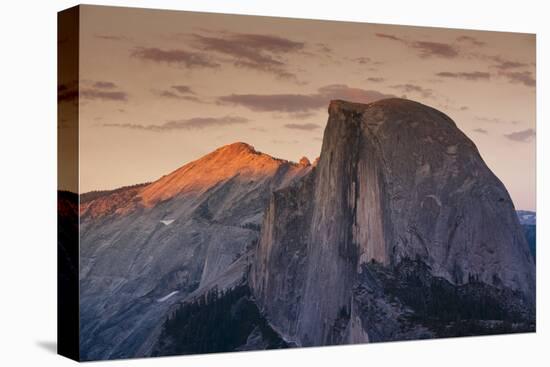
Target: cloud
[
  {"x": 279, "y": 141},
  {"x": 196, "y": 123},
  {"x": 305, "y": 127},
  {"x": 503, "y": 64},
  {"x": 495, "y": 120},
  {"x": 375, "y": 79},
  {"x": 323, "y": 48},
  {"x": 166, "y": 94},
  {"x": 302, "y": 103},
  {"x": 98, "y": 94},
  {"x": 471, "y": 40},
  {"x": 104, "y": 85},
  {"x": 174, "y": 95},
  {"x": 110, "y": 37},
  {"x": 258, "y": 52},
  {"x": 413, "y": 88},
  {"x": 275, "y": 102},
  {"x": 362, "y": 60},
  {"x": 179, "y": 57},
  {"x": 183, "y": 89},
  {"x": 481, "y": 131},
  {"x": 302, "y": 115},
  {"x": 181, "y": 92},
  {"x": 295, "y": 115},
  {"x": 342, "y": 91},
  {"x": 523, "y": 136},
  {"x": 429, "y": 49},
  {"x": 425, "y": 49},
  {"x": 473, "y": 75},
  {"x": 520, "y": 77},
  {"x": 389, "y": 36}
]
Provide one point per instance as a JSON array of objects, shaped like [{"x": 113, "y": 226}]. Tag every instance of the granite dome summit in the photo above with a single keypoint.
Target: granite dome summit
[{"x": 397, "y": 184}]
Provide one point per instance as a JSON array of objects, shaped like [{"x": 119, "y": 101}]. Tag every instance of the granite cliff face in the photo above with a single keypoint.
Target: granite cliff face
[
  {"x": 399, "y": 194},
  {"x": 146, "y": 247}
]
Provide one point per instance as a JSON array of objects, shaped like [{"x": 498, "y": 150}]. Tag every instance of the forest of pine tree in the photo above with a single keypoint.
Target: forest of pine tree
[{"x": 220, "y": 321}]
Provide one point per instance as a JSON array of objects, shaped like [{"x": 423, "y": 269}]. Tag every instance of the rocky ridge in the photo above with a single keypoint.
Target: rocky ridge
[{"x": 147, "y": 247}]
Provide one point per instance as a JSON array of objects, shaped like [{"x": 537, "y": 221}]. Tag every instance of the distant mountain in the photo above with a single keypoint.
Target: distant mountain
[
  {"x": 527, "y": 217},
  {"x": 528, "y": 220},
  {"x": 146, "y": 247}
]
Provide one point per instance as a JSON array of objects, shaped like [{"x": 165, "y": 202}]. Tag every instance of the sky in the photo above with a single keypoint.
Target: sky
[{"x": 159, "y": 89}]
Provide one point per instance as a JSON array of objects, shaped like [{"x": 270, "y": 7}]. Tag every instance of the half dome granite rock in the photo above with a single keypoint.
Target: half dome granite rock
[{"x": 400, "y": 194}]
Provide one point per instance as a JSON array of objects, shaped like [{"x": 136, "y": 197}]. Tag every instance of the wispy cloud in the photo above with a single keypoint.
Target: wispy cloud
[
  {"x": 413, "y": 88},
  {"x": 362, "y": 60},
  {"x": 389, "y": 36},
  {"x": 359, "y": 95},
  {"x": 481, "y": 131},
  {"x": 258, "y": 52},
  {"x": 374, "y": 79},
  {"x": 183, "y": 89},
  {"x": 178, "y": 57},
  {"x": 471, "y": 40},
  {"x": 424, "y": 49},
  {"x": 305, "y": 127},
  {"x": 104, "y": 85},
  {"x": 323, "y": 48},
  {"x": 302, "y": 103},
  {"x": 496, "y": 120},
  {"x": 103, "y": 95},
  {"x": 429, "y": 49},
  {"x": 112, "y": 37},
  {"x": 466, "y": 75},
  {"x": 503, "y": 64},
  {"x": 280, "y": 141},
  {"x": 505, "y": 68},
  {"x": 180, "y": 92},
  {"x": 169, "y": 94},
  {"x": 196, "y": 123},
  {"x": 520, "y": 77},
  {"x": 523, "y": 136},
  {"x": 275, "y": 102}
]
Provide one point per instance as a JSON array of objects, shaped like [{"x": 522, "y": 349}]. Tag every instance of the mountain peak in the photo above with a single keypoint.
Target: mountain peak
[
  {"x": 238, "y": 160},
  {"x": 337, "y": 105},
  {"x": 237, "y": 147},
  {"x": 304, "y": 161},
  {"x": 387, "y": 103},
  {"x": 389, "y": 112}
]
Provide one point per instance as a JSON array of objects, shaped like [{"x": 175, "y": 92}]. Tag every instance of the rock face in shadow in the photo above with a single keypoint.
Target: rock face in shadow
[
  {"x": 397, "y": 181},
  {"x": 147, "y": 247}
]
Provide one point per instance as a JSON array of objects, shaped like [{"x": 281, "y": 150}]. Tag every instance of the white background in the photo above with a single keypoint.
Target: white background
[{"x": 28, "y": 182}]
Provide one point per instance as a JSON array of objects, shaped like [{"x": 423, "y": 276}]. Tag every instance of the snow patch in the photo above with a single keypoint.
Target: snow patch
[
  {"x": 167, "y": 296},
  {"x": 167, "y": 221},
  {"x": 435, "y": 198}
]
